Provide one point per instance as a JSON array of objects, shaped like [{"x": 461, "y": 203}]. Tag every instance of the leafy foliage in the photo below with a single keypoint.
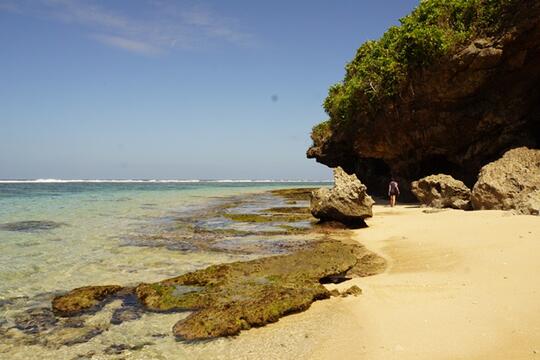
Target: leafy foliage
[
  {"x": 379, "y": 69},
  {"x": 321, "y": 131}
]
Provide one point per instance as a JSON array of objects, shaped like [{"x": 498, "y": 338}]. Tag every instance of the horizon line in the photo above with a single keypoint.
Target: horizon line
[{"x": 157, "y": 181}]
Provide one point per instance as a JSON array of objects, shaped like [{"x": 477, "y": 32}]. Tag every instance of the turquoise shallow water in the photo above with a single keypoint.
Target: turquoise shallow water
[{"x": 89, "y": 246}]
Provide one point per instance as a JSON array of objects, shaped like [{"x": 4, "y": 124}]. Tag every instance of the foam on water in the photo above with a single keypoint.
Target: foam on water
[{"x": 157, "y": 181}]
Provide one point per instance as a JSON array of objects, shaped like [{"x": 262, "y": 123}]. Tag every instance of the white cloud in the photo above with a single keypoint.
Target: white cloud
[
  {"x": 161, "y": 26},
  {"x": 127, "y": 44}
]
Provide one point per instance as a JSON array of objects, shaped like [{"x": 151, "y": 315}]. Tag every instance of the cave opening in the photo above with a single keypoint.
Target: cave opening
[
  {"x": 374, "y": 173},
  {"x": 439, "y": 164}
]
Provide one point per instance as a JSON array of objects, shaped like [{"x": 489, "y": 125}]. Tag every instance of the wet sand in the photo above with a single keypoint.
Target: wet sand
[{"x": 460, "y": 285}]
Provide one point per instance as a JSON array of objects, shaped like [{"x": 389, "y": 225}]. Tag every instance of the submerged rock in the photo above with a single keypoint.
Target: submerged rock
[
  {"x": 442, "y": 191},
  {"x": 510, "y": 183},
  {"x": 117, "y": 349},
  {"x": 83, "y": 299},
  {"x": 347, "y": 202},
  {"x": 30, "y": 225},
  {"x": 35, "y": 321},
  {"x": 129, "y": 311}
]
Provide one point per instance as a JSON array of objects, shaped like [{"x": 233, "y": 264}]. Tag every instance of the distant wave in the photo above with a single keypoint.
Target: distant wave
[{"x": 158, "y": 181}]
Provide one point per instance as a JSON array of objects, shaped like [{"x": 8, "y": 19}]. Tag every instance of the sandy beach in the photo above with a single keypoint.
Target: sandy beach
[{"x": 460, "y": 285}]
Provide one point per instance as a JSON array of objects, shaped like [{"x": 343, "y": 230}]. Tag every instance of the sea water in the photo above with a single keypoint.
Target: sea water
[{"x": 56, "y": 236}]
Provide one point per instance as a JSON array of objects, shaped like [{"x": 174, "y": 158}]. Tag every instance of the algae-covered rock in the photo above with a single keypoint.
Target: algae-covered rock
[
  {"x": 227, "y": 298},
  {"x": 82, "y": 299},
  {"x": 242, "y": 295},
  {"x": 293, "y": 195}
]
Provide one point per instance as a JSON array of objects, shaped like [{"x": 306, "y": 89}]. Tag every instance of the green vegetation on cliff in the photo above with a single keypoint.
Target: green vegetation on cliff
[{"x": 380, "y": 68}]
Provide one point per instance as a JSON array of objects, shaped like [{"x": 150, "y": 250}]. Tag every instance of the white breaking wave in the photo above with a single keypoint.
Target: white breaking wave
[
  {"x": 157, "y": 181},
  {"x": 51, "y": 181}
]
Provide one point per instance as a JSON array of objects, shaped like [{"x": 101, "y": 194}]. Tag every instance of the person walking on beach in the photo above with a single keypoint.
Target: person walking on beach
[{"x": 393, "y": 191}]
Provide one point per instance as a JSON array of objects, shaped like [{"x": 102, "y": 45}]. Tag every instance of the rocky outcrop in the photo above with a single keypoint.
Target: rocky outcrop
[
  {"x": 442, "y": 191},
  {"x": 512, "y": 182},
  {"x": 347, "y": 202},
  {"x": 452, "y": 117},
  {"x": 228, "y": 298}
]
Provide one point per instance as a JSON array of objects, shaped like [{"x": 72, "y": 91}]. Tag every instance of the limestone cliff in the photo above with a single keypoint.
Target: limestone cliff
[{"x": 450, "y": 115}]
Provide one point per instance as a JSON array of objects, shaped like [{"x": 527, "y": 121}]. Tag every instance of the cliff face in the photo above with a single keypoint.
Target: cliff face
[{"x": 453, "y": 116}]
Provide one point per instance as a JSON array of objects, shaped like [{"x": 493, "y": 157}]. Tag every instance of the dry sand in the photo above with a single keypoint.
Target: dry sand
[{"x": 460, "y": 285}]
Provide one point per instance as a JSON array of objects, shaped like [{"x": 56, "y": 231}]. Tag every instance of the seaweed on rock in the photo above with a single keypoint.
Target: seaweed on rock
[{"x": 228, "y": 298}]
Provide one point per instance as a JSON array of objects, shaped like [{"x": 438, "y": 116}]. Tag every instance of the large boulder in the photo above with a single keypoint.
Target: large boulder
[
  {"x": 510, "y": 183},
  {"x": 347, "y": 202},
  {"x": 442, "y": 191}
]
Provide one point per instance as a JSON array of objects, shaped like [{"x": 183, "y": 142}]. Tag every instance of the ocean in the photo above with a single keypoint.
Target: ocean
[{"x": 59, "y": 235}]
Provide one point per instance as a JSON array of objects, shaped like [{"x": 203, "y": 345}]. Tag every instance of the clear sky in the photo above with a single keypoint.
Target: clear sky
[{"x": 173, "y": 89}]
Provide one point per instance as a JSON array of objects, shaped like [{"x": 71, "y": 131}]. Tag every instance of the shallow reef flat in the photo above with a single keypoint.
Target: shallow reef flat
[
  {"x": 288, "y": 257},
  {"x": 254, "y": 224},
  {"x": 228, "y": 298}
]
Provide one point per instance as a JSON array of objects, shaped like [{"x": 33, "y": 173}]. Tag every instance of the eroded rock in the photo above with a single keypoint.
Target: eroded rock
[
  {"x": 510, "y": 183},
  {"x": 442, "y": 191},
  {"x": 83, "y": 299},
  {"x": 347, "y": 202}
]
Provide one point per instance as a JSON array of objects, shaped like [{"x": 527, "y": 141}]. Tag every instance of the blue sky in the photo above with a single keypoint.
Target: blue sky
[{"x": 173, "y": 89}]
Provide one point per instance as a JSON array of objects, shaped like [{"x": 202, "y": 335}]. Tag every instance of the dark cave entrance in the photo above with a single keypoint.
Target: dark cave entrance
[
  {"x": 374, "y": 173},
  {"x": 439, "y": 164}
]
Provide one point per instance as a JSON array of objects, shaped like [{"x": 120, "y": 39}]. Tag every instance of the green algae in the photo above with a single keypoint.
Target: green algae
[
  {"x": 83, "y": 299},
  {"x": 241, "y": 295},
  {"x": 266, "y": 218},
  {"x": 297, "y": 194},
  {"x": 161, "y": 297},
  {"x": 293, "y": 230},
  {"x": 250, "y": 218},
  {"x": 229, "y": 298},
  {"x": 288, "y": 210}
]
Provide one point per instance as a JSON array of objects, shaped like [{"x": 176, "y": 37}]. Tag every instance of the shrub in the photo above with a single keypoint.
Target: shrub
[
  {"x": 433, "y": 29},
  {"x": 321, "y": 131}
]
